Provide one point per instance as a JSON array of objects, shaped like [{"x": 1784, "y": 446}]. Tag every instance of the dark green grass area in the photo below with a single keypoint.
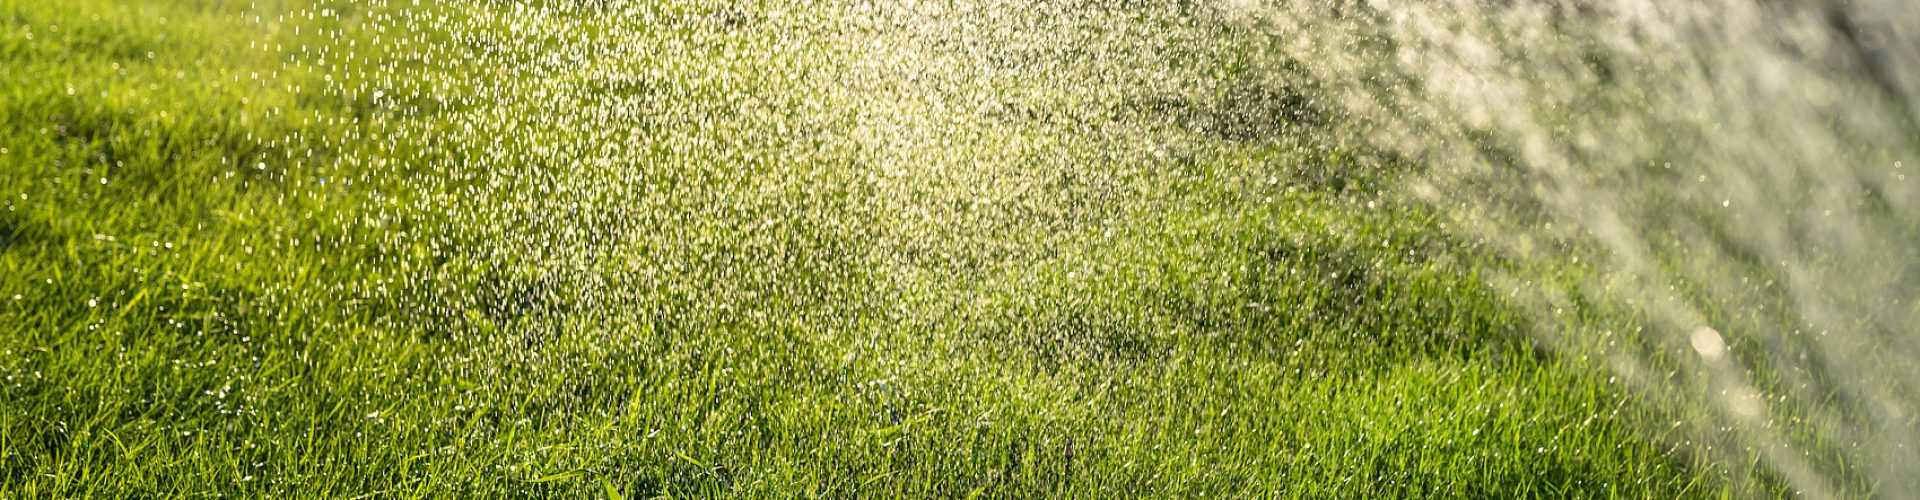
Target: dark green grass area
[{"x": 209, "y": 286}]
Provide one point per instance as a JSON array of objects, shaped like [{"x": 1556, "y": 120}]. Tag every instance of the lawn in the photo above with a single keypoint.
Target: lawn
[{"x": 845, "y": 249}]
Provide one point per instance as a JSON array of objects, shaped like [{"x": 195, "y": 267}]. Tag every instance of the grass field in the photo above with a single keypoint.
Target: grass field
[{"x": 357, "y": 250}]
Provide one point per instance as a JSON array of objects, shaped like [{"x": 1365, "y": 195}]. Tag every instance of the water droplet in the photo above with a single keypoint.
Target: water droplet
[{"x": 1708, "y": 343}]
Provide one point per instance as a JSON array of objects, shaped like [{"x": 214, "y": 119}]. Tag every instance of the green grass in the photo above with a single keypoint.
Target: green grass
[{"x": 794, "y": 274}]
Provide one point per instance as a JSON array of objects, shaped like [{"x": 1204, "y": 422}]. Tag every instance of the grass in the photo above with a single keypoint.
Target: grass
[{"x": 821, "y": 254}]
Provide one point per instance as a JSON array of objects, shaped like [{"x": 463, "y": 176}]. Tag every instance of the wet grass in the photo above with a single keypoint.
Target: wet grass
[{"x": 226, "y": 274}]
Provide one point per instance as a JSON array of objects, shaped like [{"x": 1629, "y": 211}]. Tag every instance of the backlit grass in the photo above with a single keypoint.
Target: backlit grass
[{"x": 272, "y": 248}]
